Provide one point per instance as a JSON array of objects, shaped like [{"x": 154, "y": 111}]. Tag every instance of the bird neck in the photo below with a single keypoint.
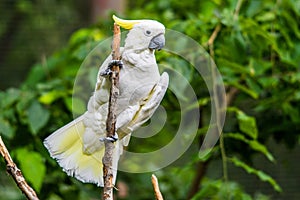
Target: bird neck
[
  {"x": 136, "y": 42},
  {"x": 138, "y": 57}
]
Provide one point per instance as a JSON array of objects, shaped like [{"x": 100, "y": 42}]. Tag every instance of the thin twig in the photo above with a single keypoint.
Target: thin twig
[
  {"x": 237, "y": 9},
  {"x": 111, "y": 119},
  {"x": 210, "y": 44},
  {"x": 224, "y": 158},
  {"x": 214, "y": 35},
  {"x": 16, "y": 173},
  {"x": 212, "y": 38},
  {"x": 229, "y": 98},
  {"x": 229, "y": 95},
  {"x": 157, "y": 193},
  {"x": 200, "y": 173}
]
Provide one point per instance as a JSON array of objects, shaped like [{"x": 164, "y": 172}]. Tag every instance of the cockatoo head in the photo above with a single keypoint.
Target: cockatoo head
[{"x": 143, "y": 34}]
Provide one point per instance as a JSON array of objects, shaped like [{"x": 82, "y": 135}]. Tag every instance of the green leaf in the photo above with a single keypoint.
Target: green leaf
[
  {"x": 75, "y": 105},
  {"x": 201, "y": 102},
  {"x": 291, "y": 111},
  {"x": 9, "y": 97},
  {"x": 260, "y": 174},
  {"x": 269, "y": 81},
  {"x": 180, "y": 74},
  {"x": 220, "y": 190},
  {"x": 32, "y": 167},
  {"x": 248, "y": 91},
  {"x": 206, "y": 154},
  {"x": 37, "y": 117},
  {"x": 83, "y": 50},
  {"x": 22, "y": 105},
  {"x": 291, "y": 22},
  {"x": 259, "y": 67},
  {"x": 48, "y": 97},
  {"x": 232, "y": 190},
  {"x": 233, "y": 65},
  {"x": 237, "y": 136},
  {"x": 261, "y": 148},
  {"x": 36, "y": 74},
  {"x": 82, "y": 36},
  {"x": 208, "y": 190},
  {"x": 247, "y": 124},
  {"x": 252, "y": 84},
  {"x": 266, "y": 16},
  {"x": 254, "y": 144},
  {"x": 6, "y": 129},
  {"x": 92, "y": 77}
]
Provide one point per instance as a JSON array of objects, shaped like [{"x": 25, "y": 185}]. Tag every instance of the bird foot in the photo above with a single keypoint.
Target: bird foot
[
  {"x": 110, "y": 139},
  {"x": 108, "y": 70}
]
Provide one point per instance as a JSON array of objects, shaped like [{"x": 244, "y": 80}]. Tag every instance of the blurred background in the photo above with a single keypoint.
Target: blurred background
[
  {"x": 33, "y": 30},
  {"x": 256, "y": 47}
]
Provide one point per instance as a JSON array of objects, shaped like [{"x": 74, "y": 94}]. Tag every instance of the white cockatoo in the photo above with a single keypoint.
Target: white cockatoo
[{"x": 78, "y": 147}]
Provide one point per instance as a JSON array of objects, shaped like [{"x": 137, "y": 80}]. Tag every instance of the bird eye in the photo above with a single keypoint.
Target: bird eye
[{"x": 148, "y": 32}]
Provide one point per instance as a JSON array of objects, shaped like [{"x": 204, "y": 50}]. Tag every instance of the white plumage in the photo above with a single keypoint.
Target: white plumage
[{"x": 77, "y": 146}]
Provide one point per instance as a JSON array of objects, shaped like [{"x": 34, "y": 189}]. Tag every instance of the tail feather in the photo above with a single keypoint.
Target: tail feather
[
  {"x": 65, "y": 137},
  {"x": 65, "y": 145}
]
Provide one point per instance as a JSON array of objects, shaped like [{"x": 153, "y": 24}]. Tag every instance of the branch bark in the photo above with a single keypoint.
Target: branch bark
[
  {"x": 212, "y": 38},
  {"x": 111, "y": 118},
  {"x": 16, "y": 173},
  {"x": 157, "y": 193},
  {"x": 200, "y": 173}
]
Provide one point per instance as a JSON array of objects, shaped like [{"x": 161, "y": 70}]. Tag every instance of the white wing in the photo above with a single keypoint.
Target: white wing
[{"x": 134, "y": 116}]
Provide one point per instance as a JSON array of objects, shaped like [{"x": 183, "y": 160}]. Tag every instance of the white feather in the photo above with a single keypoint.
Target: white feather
[{"x": 77, "y": 146}]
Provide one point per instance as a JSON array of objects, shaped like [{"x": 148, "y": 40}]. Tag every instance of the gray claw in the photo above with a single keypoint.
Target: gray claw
[
  {"x": 110, "y": 138},
  {"x": 115, "y": 63},
  {"x": 108, "y": 70}
]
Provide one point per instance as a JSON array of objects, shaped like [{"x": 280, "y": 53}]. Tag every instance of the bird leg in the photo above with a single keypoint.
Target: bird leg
[
  {"x": 110, "y": 138},
  {"x": 108, "y": 70}
]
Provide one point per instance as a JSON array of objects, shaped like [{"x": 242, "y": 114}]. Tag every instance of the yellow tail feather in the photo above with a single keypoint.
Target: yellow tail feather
[{"x": 65, "y": 145}]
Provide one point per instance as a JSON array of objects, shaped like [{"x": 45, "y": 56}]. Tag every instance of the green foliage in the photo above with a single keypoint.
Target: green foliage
[
  {"x": 32, "y": 163},
  {"x": 261, "y": 175},
  {"x": 37, "y": 117},
  {"x": 30, "y": 31},
  {"x": 219, "y": 190},
  {"x": 40, "y": 106},
  {"x": 247, "y": 124},
  {"x": 253, "y": 144},
  {"x": 257, "y": 51}
]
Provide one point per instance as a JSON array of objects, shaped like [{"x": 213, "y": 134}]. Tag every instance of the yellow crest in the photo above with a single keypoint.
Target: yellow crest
[{"x": 127, "y": 24}]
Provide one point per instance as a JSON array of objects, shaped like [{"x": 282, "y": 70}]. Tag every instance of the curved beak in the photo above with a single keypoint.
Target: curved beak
[{"x": 157, "y": 42}]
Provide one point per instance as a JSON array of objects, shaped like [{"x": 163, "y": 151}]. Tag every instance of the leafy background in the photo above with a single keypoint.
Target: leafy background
[{"x": 256, "y": 49}]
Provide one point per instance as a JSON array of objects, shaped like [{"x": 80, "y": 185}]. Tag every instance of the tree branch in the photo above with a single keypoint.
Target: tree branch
[
  {"x": 16, "y": 173},
  {"x": 200, "y": 173},
  {"x": 212, "y": 38},
  {"x": 230, "y": 95},
  {"x": 111, "y": 118},
  {"x": 158, "y": 195},
  {"x": 237, "y": 9}
]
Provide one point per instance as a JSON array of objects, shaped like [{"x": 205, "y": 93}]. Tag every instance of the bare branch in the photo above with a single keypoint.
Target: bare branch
[
  {"x": 212, "y": 38},
  {"x": 214, "y": 35},
  {"x": 158, "y": 195},
  {"x": 111, "y": 118},
  {"x": 16, "y": 173},
  {"x": 237, "y": 9}
]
